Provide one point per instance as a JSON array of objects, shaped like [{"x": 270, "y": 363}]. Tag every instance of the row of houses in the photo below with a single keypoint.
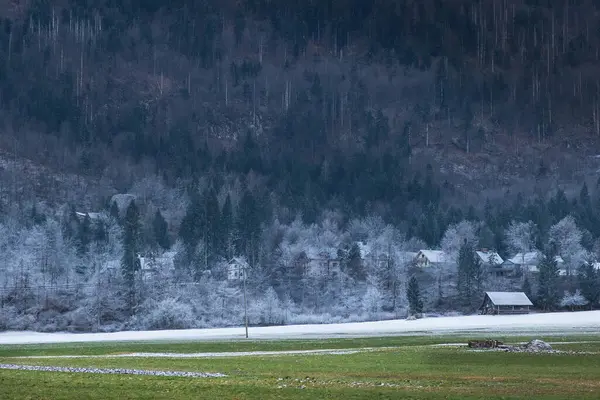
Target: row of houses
[
  {"x": 328, "y": 262},
  {"x": 527, "y": 262}
]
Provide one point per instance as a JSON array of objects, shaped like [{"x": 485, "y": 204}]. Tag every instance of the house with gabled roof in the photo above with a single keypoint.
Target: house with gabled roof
[
  {"x": 529, "y": 261},
  {"x": 489, "y": 258},
  {"x": 505, "y": 303},
  {"x": 237, "y": 267},
  {"x": 154, "y": 266},
  {"x": 324, "y": 261},
  {"x": 430, "y": 258}
]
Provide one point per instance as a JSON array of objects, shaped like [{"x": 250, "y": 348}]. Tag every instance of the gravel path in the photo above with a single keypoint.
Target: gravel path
[{"x": 113, "y": 371}]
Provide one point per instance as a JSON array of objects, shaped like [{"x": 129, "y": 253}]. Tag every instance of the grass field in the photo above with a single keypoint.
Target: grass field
[{"x": 392, "y": 368}]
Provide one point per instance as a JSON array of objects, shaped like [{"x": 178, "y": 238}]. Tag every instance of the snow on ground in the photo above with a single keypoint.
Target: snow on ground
[
  {"x": 548, "y": 323},
  {"x": 220, "y": 354}
]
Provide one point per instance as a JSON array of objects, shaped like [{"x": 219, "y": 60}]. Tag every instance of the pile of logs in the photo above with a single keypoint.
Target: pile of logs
[{"x": 485, "y": 344}]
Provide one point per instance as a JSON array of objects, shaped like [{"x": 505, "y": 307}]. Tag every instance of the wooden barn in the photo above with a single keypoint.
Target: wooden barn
[{"x": 505, "y": 303}]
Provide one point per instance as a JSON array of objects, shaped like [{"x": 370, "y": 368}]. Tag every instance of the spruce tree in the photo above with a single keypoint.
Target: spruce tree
[
  {"x": 161, "y": 235},
  {"x": 130, "y": 263},
  {"x": 354, "y": 264},
  {"x": 469, "y": 274},
  {"x": 84, "y": 236},
  {"x": 114, "y": 211},
  {"x": 589, "y": 283},
  {"x": 548, "y": 295},
  {"x": 413, "y": 294},
  {"x": 192, "y": 224},
  {"x": 248, "y": 227},
  {"x": 226, "y": 230},
  {"x": 211, "y": 232},
  {"x": 527, "y": 287}
]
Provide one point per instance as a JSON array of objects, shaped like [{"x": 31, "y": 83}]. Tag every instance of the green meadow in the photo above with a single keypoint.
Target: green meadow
[{"x": 390, "y": 368}]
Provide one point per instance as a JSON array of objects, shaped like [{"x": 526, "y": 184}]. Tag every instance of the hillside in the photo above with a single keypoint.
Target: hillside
[
  {"x": 274, "y": 131},
  {"x": 173, "y": 84}
]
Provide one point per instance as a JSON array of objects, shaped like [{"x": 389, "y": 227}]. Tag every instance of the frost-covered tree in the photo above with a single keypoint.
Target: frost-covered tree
[
  {"x": 573, "y": 300},
  {"x": 270, "y": 310},
  {"x": 456, "y": 235},
  {"x": 566, "y": 237},
  {"x": 372, "y": 300},
  {"x": 413, "y": 294},
  {"x": 520, "y": 237}
]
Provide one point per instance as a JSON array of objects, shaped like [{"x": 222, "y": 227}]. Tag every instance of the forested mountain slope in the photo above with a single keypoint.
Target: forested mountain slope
[{"x": 229, "y": 119}]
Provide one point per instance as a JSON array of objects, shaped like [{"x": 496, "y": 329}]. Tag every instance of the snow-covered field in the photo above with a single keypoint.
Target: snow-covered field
[{"x": 550, "y": 323}]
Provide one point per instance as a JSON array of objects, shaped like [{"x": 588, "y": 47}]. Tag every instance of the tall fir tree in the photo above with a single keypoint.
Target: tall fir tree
[
  {"x": 211, "y": 232},
  {"x": 226, "y": 230},
  {"x": 114, "y": 211},
  {"x": 526, "y": 288},
  {"x": 130, "y": 263},
  {"x": 354, "y": 265},
  {"x": 470, "y": 275},
  {"x": 84, "y": 236},
  {"x": 192, "y": 225},
  {"x": 413, "y": 294},
  {"x": 248, "y": 227},
  {"x": 589, "y": 283},
  {"x": 160, "y": 229},
  {"x": 548, "y": 293}
]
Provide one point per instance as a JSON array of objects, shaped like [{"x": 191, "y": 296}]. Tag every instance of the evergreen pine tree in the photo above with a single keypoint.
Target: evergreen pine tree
[
  {"x": 248, "y": 227},
  {"x": 114, "y": 211},
  {"x": 159, "y": 226},
  {"x": 226, "y": 230},
  {"x": 84, "y": 235},
  {"x": 354, "y": 264},
  {"x": 192, "y": 225},
  {"x": 130, "y": 263},
  {"x": 469, "y": 274},
  {"x": 413, "y": 294},
  {"x": 589, "y": 283},
  {"x": 548, "y": 295},
  {"x": 211, "y": 232},
  {"x": 527, "y": 287}
]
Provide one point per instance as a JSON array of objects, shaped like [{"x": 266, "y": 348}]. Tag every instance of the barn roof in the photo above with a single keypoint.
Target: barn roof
[{"x": 509, "y": 298}]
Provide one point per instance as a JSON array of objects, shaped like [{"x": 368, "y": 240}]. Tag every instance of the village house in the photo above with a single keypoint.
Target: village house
[
  {"x": 237, "y": 268},
  {"x": 505, "y": 303},
  {"x": 529, "y": 262},
  {"x": 430, "y": 258},
  {"x": 493, "y": 263},
  {"x": 155, "y": 267},
  {"x": 322, "y": 262},
  {"x": 489, "y": 258},
  {"x": 507, "y": 268}
]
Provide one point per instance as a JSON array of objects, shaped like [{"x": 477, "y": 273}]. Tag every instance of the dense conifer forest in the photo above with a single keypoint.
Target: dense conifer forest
[{"x": 144, "y": 142}]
